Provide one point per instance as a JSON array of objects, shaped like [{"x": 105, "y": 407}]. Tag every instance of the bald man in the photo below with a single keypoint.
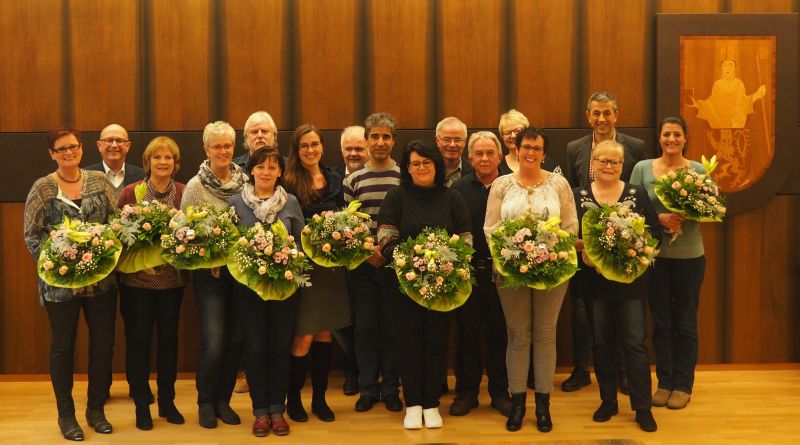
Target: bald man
[{"x": 113, "y": 146}]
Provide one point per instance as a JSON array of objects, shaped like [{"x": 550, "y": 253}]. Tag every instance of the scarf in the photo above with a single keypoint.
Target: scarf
[
  {"x": 167, "y": 197},
  {"x": 265, "y": 209},
  {"x": 216, "y": 187}
]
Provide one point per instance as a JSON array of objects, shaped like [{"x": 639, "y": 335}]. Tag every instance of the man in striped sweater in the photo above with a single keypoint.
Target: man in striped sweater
[{"x": 371, "y": 283}]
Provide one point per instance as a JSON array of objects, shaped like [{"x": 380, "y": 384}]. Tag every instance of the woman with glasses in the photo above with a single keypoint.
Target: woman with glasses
[
  {"x": 618, "y": 309},
  {"x": 325, "y": 305},
  {"x": 152, "y": 298},
  {"x": 218, "y": 360},
  {"x": 511, "y": 124},
  {"x": 421, "y": 200},
  {"x": 85, "y": 195},
  {"x": 531, "y": 313}
]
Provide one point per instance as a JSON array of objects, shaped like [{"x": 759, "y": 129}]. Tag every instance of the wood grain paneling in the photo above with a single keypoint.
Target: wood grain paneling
[
  {"x": 691, "y": 6},
  {"x": 741, "y": 6},
  {"x": 327, "y": 94},
  {"x": 544, "y": 68},
  {"x": 31, "y": 79},
  {"x": 104, "y": 46},
  {"x": 400, "y": 61},
  {"x": 180, "y": 66},
  {"x": 469, "y": 77},
  {"x": 710, "y": 315},
  {"x": 255, "y": 55},
  {"x": 618, "y": 49}
]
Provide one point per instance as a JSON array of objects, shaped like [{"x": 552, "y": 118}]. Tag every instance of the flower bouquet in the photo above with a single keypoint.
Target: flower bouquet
[
  {"x": 533, "y": 252},
  {"x": 268, "y": 262},
  {"x": 434, "y": 269},
  {"x": 691, "y": 194},
  {"x": 78, "y": 254},
  {"x": 618, "y": 242},
  {"x": 200, "y": 238},
  {"x": 338, "y": 238},
  {"x": 139, "y": 228}
]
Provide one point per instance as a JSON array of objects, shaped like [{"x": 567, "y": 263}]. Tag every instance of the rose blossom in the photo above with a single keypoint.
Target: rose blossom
[
  {"x": 262, "y": 270},
  {"x": 410, "y": 276},
  {"x": 326, "y": 247},
  {"x": 180, "y": 249},
  {"x": 147, "y": 227},
  {"x": 523, "y": 268},
  {"x": 109, "y": 243},
  {"x": 336, "y": 235},
  {"x": 95, "y": 241},
  {"x": 63, "y": 270},
  {"x": 288, "y": 275},
  {"x": 48, "y": 265},
  {"x": 202, "y": 251},
  {"x": 216, "y": 231},
  {"x": 87, "y": 257}
]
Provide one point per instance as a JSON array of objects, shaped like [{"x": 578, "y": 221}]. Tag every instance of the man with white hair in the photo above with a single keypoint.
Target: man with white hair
[
  {"x": 354, "y": 151},
  {"x": 451, "y": 138},
  {"x": 259, "y": 131}
]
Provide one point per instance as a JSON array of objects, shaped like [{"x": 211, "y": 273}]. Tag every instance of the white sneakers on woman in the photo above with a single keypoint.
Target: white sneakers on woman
[
  {"x": 432, "y": 418},
  {"x": 413, "y": 419}
]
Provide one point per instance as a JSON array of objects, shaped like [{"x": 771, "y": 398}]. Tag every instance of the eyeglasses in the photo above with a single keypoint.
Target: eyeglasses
[
  {"x": 450, "y": 140},
  {"x": 72, "y": 147},
  {"x": 218, "y": 147},
  {"x": 513, "y": 132},
  {"x": 607, "y": 162},
  {"x": 314, "y": 145},
  {"x": 416, "y": 165},
  {"x": 529, "y": 147},
  {"x": 112, "y": 141}
]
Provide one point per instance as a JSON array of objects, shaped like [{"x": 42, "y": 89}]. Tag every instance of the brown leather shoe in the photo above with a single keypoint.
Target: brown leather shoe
[
  {"x": 279, "y": 425},
  {"x": 261, "y": 426}
]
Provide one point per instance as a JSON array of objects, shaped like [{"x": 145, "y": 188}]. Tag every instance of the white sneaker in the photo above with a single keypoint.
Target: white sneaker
[
  {"x": 432, "y": 418},
  {"x": 413, "y": 419}
]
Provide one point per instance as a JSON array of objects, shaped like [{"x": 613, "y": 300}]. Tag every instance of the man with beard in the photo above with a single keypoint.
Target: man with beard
[{"x": 259, "y": 131}]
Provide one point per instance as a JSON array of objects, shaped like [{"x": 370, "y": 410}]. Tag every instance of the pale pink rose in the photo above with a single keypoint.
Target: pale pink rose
[
  {"x": 87, "y": 257},
  {"x": 676, "y": 185},
  {"x": 306, "y": 230},
  {"x": 316, "y": 218},
  {"x": 648, "y": 250},
  {"x": 216, "y": 231},
  {"x": 336, "y": 235},
  {"x": 95, "y": 241},
  {"x": 288, "y": 275},
  {"x": 147, "y": 227},
  {"x": 326, "y": 247},
  {"x": 410, "y": 276},
  {"x": 63, "y": 270},
  {"x": 180, "y": 249},
  {"x": 423, "y": 290},
  {"x": 439, "y": 280},
  {"x": 290, "y": 238},
  {"x": 116, "y": 226},
  {"x": 358, "y": 229},
  {"x": 243, "y": 241},
  {"x": 109, "y": 244},
  {"x": 610, "y": 231},
  {"x": 202, "y": 251},
  {"x": 631, "y": 252},
  {"x": 48, "y": 265},
  {"x": 173, "y": 225},
  {"x": 563, "y": 255},
  {"x": 528, "y": 246},
  {"x": 553, "y": 256},
  {"x": 262, "y": 270},
  {"x": 523, "y": 269},
  {"x": 683, "y": 192}
]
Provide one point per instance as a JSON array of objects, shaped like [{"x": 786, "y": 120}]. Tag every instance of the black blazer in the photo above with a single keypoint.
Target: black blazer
[
  {"x": 132, "y": 172},
  {"x": 579, "y": 151}
]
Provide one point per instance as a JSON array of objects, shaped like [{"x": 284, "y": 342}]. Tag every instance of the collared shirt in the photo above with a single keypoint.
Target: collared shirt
[
  {"x": 116, "y": 179},
  {"x": 476, "y": 194},
  {"x": 594, "y": 143},
  {"x": 455, "y": 175}
]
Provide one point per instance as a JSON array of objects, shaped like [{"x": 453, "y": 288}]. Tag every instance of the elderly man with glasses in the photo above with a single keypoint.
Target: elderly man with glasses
[{"x": 113, "y": 146}]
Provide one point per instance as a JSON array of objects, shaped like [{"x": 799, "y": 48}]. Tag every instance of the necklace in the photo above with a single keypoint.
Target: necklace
[
  {"x": 70, "y": 181},
  {"x": 530, "y": 188}
]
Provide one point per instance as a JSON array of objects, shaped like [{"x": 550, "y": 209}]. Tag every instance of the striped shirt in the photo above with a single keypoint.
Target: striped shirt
[{"x": 370, "y": 185}]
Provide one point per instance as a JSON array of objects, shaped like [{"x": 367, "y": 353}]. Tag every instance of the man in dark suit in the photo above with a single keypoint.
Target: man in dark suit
[
  {"x": 602, "y": 114},
  {"x": 354, "y": 151},
  {"x": 451, "y": 138},
  {"x": 114, "y": 145}
]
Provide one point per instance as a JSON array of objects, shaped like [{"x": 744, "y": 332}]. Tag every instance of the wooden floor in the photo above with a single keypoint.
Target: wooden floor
[{"x": 731, "y": 404}]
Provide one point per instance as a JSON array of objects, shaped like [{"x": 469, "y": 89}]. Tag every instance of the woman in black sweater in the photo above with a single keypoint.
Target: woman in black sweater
[{"x": 420, "y": 201}]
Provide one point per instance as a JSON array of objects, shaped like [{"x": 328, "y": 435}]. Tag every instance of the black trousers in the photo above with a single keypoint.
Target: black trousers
[
  {"x": 612, "y": 322},
  {"x": 375, "y": 340},
  {"x": 143, "y": 310},
  {"x": 481, "y": 311},
  {"x": 100, "y": 312},
  {"x": 421, "y": 348},
  {"x": 674, "y": 299},
  {"x": 268, "y": 334}
]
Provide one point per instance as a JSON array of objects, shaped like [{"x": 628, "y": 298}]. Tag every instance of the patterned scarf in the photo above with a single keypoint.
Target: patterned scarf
[
  {"x": 216, "y": 187},
  {"x": 167, "y": 197},
  {"x": 265, "y": 209}
]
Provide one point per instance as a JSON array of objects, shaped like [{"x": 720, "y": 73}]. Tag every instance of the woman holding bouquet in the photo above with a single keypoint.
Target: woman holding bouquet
[
  {"x": 269, "y": 325},
  {"x": 87, "y": 196},
  {"x": 531, "y": 313},
  {"x": 324, "y": 306},
  {"x": 617, "y": 308},
  {"x": 675, "y": 284},
  {"x": 152, "y": 297},
  {"x": 218, "y": 360},
  {"x": 421, "y": 201}
]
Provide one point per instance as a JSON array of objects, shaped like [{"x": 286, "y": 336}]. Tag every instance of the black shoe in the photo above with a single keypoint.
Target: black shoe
[
  {"x": 393, "y": 402},
  {"x": 170, "y": 411},
  {"x": 227, "y": 414},
  {"x": 606, "y": 411},
  {"x": 514, "y": 422},
  {"x": 70, "y": 428},
  {"x": 320, "y": 408},
  {"x": 577, "y": 380},
  {"x": 294, "y": 408},
  {"x": 365, "y": 403},
  {"x": 206, "y": 416},
  {"x": 462, "y": 405},
  {"x": 543, "y": 421},
  {"x": 502, "y": 403},
  {"x": 143, "y": 419},
  {"x": 350, "y": 387},
  {"x": 644, "y": 417},
  {"x": 622, "y": 381},
  {"x": 97, "y": 420}
]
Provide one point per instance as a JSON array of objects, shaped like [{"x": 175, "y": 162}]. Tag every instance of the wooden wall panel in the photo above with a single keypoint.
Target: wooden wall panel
[
  {"x": 106, "y": 67},
  {"x": 327, "y": 93},
  {"x": 400, "y": 61},
  {"x": 742, "y": 6},
  {"x": 618, "y": 48},
  {"x": 691, "y": 6},
  {"x": 469, "y": 80},
  {"x": 710, "y": 316},
  {"x": 31, "y": 80},
  {"x": 544, "y": 65},
  {"x": 255, "y": 54},
  {"x": 179, "y": 72}
]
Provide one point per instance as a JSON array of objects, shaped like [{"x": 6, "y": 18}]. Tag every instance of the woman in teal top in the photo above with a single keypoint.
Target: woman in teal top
[{"x": 677, "y": 275}]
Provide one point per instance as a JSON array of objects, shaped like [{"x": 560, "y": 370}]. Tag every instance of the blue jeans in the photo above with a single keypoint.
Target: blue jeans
[
  {"x": 674, "y": 298},
  {"x": 220, "y": 349}
]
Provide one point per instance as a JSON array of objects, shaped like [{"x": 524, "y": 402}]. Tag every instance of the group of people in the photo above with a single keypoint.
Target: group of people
[{"x": 390, "y": 342}]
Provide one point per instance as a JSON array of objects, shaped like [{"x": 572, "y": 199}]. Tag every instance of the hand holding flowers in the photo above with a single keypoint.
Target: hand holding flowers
[
  {"x": 139, "y": 228},
  {"x": 338, "y": 238},
  {"x": 200, "y": 238},
  {"x": 434, "y": 269},
  {"x": 691, "y": 194}
]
